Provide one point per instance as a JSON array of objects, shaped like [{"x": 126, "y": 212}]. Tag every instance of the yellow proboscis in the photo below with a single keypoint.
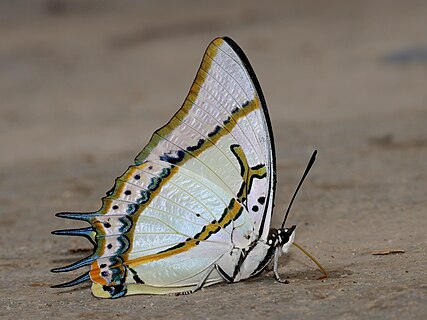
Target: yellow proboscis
[{"x": 313, "y": 259}]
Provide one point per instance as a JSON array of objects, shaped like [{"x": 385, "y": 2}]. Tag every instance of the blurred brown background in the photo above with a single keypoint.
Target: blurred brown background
[{"x": 83, "y": 84}]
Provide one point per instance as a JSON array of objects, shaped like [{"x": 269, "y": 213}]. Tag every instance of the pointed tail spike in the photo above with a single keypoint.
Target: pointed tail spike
[
  {"x": 81, "y": 263},
  {"x": 88, "y": 232},
  {"x": 76, "y": 216},
  {"x": 83, "y": 278}
]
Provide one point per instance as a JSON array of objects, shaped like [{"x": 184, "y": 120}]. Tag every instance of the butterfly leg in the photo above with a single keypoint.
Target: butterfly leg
[
  {"x": 276, "y": 267},
  {"x": 224, "y": 275},
  {"x": 200, "y": 284}
]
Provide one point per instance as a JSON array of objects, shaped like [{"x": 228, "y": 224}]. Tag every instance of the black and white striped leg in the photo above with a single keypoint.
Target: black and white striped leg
[
  {"x": 276, "y": 266},
  {"x": 224, "y": 275}
]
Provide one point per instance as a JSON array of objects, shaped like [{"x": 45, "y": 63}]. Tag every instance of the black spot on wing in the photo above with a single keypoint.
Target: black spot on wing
[
  {"x": 173, "y": 158},
  {"x": 115, "y": 291},
  {"x": 213, "y": 133},
  {"x": 196, "y": 147}
]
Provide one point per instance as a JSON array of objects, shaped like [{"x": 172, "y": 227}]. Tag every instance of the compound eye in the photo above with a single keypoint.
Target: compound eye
[{"x": 286, "y": 229}]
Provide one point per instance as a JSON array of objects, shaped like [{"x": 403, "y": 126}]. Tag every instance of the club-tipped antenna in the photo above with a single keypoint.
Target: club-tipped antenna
[{"x": 309, "y": 165}]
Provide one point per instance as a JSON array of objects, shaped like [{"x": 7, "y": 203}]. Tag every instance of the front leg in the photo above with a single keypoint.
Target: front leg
[
  {"x": 277, "y": 254},
  {"x": 227, "y": 278},
  {"x": 236, "y": 259}
]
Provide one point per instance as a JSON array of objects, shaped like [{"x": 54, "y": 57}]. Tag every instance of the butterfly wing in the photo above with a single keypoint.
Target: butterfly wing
[
  {"x": 225, "y": 101},
  {"x": 204, "y": 184}
]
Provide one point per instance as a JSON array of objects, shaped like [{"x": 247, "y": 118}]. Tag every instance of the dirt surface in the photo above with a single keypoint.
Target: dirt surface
[{"x": 83, "y": 84}]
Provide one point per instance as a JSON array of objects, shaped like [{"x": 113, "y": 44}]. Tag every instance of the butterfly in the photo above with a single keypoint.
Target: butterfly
[{"x": 195, "y": 208}]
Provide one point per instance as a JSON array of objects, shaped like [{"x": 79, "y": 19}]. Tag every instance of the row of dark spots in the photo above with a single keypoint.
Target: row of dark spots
[
  {"x": 244, "y": 105},
  {"x": 126, "y": 224},
  {"x": 261, "y": 200},
  {"x": 155, "y": 182},
  {"x": 214, "y": 132},
  {"x": 128, "y": 192},
  {"x": 133, "y": 207},
  {"x": 113, "y": 260},
  {"x": 117, "y": 276},
  {"x": 137, "y": 176}
]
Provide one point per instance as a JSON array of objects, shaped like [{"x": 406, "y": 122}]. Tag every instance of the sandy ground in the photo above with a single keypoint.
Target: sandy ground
[{"x": 84, "y": 84}]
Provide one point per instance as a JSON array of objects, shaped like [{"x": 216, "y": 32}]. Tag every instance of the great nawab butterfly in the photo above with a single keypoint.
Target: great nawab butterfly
[{"x": 195, "y": 208}]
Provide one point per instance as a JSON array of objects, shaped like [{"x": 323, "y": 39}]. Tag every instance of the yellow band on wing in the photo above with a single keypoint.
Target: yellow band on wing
[{"x": 232, "y": 212}]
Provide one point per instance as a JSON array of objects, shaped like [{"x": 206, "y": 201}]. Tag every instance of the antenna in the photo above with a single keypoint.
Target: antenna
[{"x": 309, "y": 165}]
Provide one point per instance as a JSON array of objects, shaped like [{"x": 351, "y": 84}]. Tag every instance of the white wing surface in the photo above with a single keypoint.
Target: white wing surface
[{"x": 202, "y": 186}]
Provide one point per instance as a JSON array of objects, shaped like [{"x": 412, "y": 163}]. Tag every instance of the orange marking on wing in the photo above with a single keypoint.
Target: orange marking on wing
[{"x": 95, "y": 274}]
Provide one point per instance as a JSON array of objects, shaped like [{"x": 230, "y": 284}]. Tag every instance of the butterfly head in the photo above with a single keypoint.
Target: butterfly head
[{"x": 282, "y": 238}]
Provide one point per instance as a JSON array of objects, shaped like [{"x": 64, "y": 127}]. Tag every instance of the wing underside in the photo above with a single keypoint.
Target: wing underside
[{"x": 203, "y": 185}]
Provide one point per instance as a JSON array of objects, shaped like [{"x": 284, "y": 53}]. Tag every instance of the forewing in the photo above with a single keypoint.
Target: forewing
[{"x": 225, "y": 113}]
